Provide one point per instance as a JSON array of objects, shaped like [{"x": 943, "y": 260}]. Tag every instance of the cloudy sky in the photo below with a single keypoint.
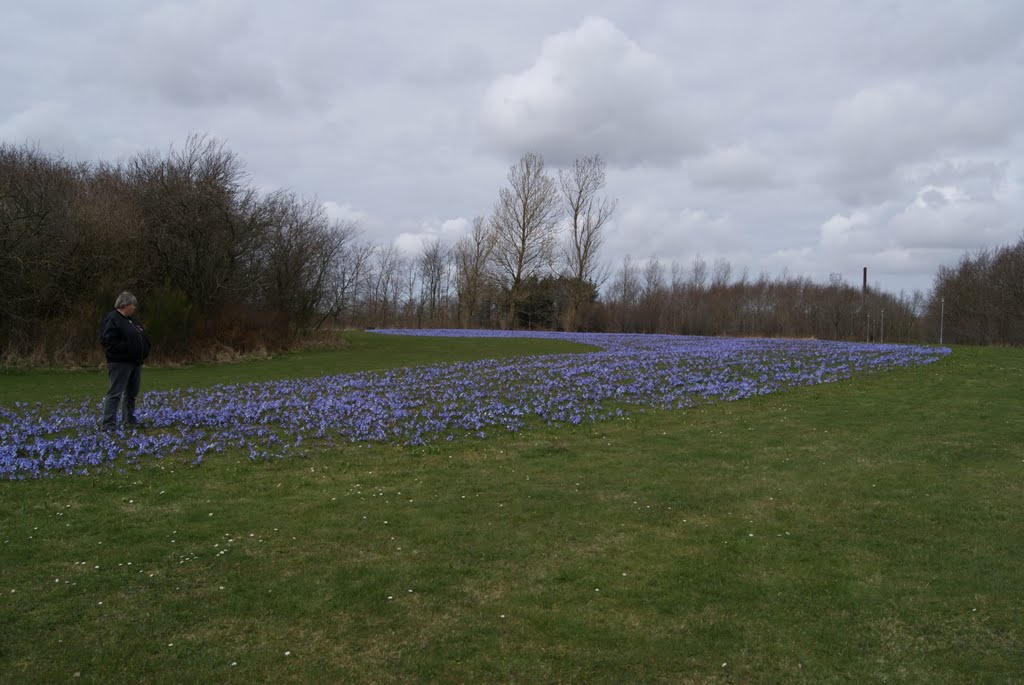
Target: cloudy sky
[{"x": 803, "y": 137}]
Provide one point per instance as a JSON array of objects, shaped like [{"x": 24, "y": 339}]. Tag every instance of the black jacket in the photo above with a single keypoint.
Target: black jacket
[{"x": 123, "y": 339}]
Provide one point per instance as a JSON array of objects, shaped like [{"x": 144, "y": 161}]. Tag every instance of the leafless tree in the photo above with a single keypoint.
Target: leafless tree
[
  {"x": 206, "y": 233},
  {"x": 626, "y": 290},
  {"x": 653, "y": 297},
  {"x": 721, "y": 273},
  {"x": 984, "y": 297},
  {"x": 698, "y": 274},
  {"x": 388, "y": 284},
  {"x": 302, "y": 252},
  {"x": 48, "y": 250},
  {"x": 472, "y": 254},
  {"x": 525, "y": 225},
  {"x": 432, "y": 264},
  {"x": 351, "y": 279},
  {"x": 35, "y": 205},
  {"x": 410, "y": 305},
  {"x": 677, "y": 297},
  {"x": 587, "y": 216}
]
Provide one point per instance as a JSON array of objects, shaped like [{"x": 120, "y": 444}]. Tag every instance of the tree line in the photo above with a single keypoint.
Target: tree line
[
  {"x": 214, "y": 262},
  {"x": 980, "y": 301},
  {"x": 704, "y": 299},
  {"x": 221, "y": 267}
]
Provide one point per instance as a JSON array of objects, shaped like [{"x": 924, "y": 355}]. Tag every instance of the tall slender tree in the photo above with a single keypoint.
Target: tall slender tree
[
  {"x": 471, "y": 255},
  {"x": 525, "y": 226},
  {"x": 587, "y": 215},
  {"x": 432, "y": 268}
]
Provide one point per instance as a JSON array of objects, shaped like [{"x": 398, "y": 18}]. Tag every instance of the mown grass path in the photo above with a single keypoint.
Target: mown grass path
[{"x": 862, "y": 531}]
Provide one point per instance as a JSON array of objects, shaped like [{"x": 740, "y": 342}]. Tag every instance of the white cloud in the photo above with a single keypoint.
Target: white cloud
[
  {"x": 950, "y": 35},
  {"x": 947, "y": 217},
  {"x": 345, "y": 213},
  {"x": 47, "y": 123},
  {"x": 936, "y": 217},
  {"x": 649, "y": 230},
  {"x": 590, "y": 91},
  {"x": 455, "y": 228},
  {"x": 737, "y": 168},
  {"x": 448, "y": 231},
  {"x": 410, "y": 243},
  {"x": 1010, "y": 192},
  {"x": 930, "y": 226},
  {"x": 883, "y": 129},
  {"x": 960, "y": 171},
  {"x": 188, "y": 55},
  {"x": 857, "y": 230}
]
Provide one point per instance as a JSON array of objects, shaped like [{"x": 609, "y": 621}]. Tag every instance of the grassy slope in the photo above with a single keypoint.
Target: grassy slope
[{"x": 859, "y": 532}]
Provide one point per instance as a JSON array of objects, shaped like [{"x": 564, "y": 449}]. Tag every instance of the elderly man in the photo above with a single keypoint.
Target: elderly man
[{"x": 126, "y": 346}]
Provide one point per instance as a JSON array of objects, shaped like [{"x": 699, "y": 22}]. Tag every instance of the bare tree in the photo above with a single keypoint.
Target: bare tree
[
  {"x": 409, "y": 286},
  {"x": 351, "y": 279},
  {"x": 472, "y": 254},
  {"x": 653, "y": 296},
  {"x": 35, "y": 240},
  {"x": 626, "y": 291},
  {"x": 302, "y": 251},
  {"x": 984, "y": 297},
  {"x": 677, "y": 297},
  {"x": 345, "y": 284},
  {"x": 587, "y": 214},
  {"x": 52, "y": 252},
  {"x": 387, "y": 284},
  {"x": 698, "y": 274},
  {"x": 721, "y": 273},
  {"x": 525, "y": 224},
  {"x": 432, "y": 265},
  {"x": 200, "y": 218}
]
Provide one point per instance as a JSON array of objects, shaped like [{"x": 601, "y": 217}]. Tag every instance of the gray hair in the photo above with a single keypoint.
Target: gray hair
[{"x": 125, "y": 299}]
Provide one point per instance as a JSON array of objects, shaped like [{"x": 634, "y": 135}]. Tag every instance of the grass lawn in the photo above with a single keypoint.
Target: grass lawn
[
  {"x": 863, "y": 531},
  {"x": 359, "y": 351}
]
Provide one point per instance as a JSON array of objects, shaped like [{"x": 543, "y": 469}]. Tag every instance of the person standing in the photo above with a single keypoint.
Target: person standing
[{"x": 126, "y": 347}]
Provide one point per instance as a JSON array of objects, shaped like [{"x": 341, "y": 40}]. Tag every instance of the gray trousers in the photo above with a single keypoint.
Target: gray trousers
[{"x": 124, "y": 388}]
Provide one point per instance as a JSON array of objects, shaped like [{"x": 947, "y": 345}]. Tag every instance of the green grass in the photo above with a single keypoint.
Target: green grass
[
  {"x": 866, "y": 531},
  {"x": 359, "y": 351}
]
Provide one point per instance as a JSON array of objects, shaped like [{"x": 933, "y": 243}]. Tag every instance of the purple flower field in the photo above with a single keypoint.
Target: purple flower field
[{"x": 422, "y": 405}]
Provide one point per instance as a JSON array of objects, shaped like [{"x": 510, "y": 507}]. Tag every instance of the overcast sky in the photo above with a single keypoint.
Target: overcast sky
[{"x": 802, "y": 137}]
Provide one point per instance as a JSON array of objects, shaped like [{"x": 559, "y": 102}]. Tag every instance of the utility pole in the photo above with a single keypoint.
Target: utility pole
[
  {"x": 942, "y": 316},
  {"x": 864, "y": 306}
]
